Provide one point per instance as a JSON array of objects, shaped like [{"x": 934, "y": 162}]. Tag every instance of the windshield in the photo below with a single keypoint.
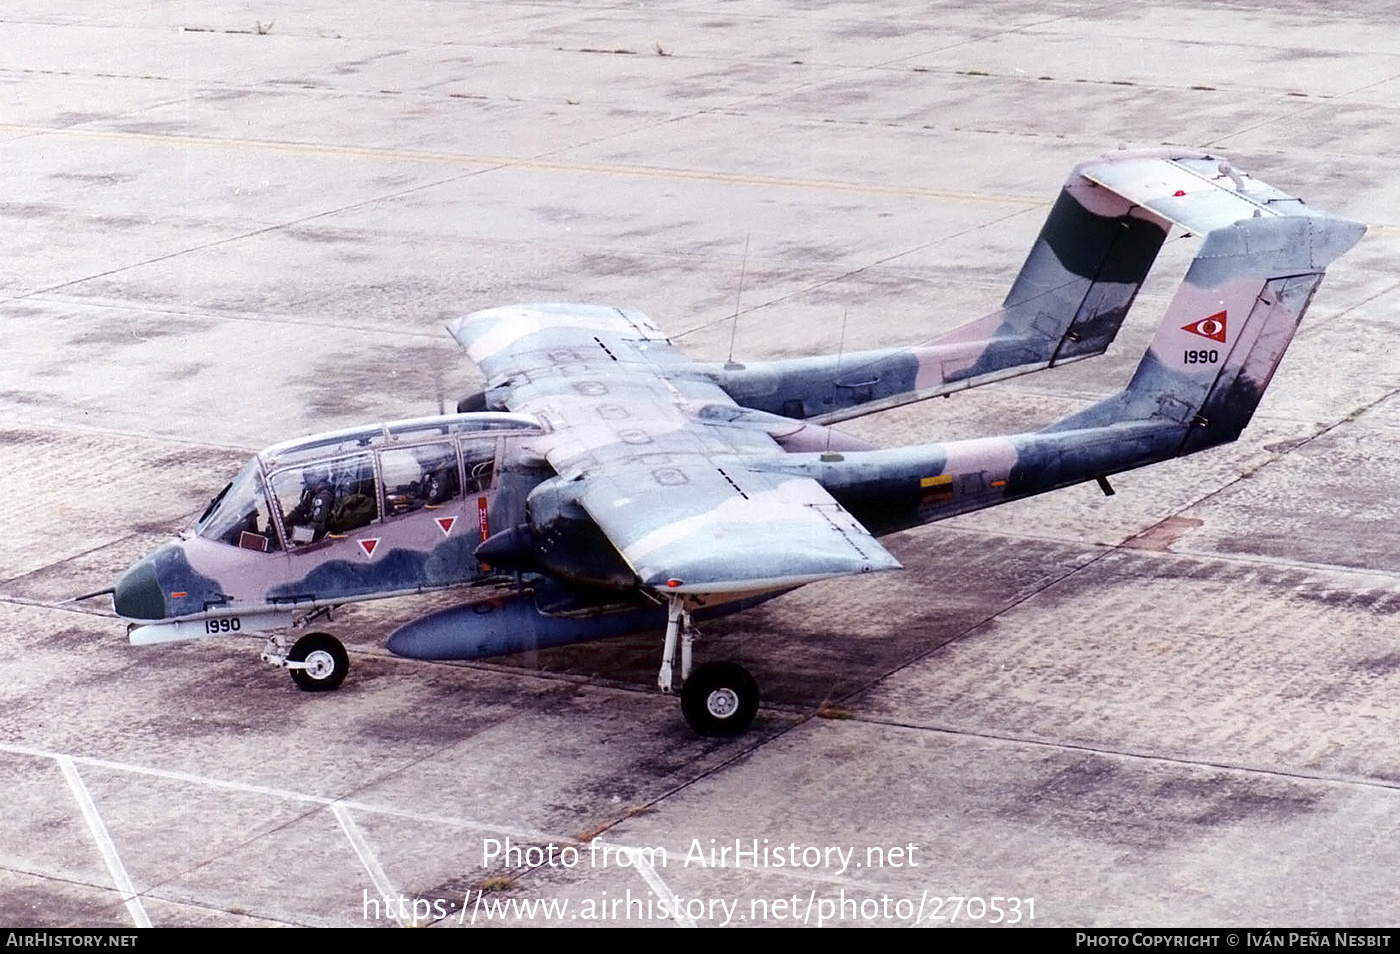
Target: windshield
[{"x": 239, "y": 515}]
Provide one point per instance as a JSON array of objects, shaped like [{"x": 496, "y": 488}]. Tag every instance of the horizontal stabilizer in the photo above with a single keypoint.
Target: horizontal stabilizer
[
  {"x": 1092, "y": 256},
  {"x": 1196, "y": 191}
]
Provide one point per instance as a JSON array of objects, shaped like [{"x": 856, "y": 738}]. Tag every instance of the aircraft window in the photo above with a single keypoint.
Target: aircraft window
[
  {"x": 416, "y": 430},
  {"x": 478, "y": 458},
  {"x": 214, "y": 503},
  {"x": 326, "y": 497},
  {"x": 416, "y": 477},
  {"x": 240, "y": 516}
]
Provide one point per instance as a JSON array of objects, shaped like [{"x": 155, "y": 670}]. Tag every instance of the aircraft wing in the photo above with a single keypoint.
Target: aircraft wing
[
  {"x": 649, "y": 450},
  {"x": 694, "y": 527}
]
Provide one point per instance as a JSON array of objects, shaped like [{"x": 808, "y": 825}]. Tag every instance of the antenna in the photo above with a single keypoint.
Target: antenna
[
  {"x": 734, "y": 331},
  {"x": 827, "y": 455}
]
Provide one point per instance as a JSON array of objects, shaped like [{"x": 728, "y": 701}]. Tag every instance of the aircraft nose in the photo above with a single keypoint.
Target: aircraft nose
[{"x": 138, "y": 594}]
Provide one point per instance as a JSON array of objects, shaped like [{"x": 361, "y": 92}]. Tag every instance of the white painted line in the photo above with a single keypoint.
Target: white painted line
[
  {"x": 366, "y": 856},
  {"x": 342, "y": 807},
  {"x": 653, "y": 879},
  {"x": 104, "y": 843},
  {"x": 523, "y": 834}
]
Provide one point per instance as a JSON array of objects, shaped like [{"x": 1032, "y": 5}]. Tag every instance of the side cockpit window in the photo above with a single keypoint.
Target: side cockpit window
[
  {"x": 479, "y": 460},
  {"x": 417, "y": 477},
  {"x": 240, "y": 515},
  {"x": 326, "y": 498}
]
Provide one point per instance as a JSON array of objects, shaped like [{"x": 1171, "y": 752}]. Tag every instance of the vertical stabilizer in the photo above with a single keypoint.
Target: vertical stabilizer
[
  {"x": 1227, "y": 328},
  {"x": 1077, "y": 284},
  {"x": 1238, "y": 307}
]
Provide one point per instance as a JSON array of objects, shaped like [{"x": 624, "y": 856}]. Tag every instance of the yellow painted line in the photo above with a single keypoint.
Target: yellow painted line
[{"x": 488, "y": 163}]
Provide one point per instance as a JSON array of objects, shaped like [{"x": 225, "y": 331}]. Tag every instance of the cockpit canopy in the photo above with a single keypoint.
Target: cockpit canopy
[{"x": 295, "y": 493}]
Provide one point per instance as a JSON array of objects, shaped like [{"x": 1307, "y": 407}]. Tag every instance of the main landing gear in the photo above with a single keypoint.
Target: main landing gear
[
  {"x": 317, "y": 662},
  {"x": 719, "y": 698}
]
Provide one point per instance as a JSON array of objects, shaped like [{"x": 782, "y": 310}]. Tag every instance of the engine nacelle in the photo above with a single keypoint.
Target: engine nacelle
[{"x": 560, "y": 540}]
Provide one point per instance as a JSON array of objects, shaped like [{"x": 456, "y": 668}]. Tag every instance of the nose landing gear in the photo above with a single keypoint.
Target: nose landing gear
[{"x": 317, "y": 662}]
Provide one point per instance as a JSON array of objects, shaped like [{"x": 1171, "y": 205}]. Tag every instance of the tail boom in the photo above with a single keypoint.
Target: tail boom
[
  {"x": 1067, "y": 303},
  {"x": 899, "y": 488}
]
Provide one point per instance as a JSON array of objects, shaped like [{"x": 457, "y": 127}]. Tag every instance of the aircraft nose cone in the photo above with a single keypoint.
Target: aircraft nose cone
[{"x": 138, "y": 594}]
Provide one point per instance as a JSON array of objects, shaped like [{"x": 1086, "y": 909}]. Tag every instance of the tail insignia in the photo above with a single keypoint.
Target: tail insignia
[{"x": 1212, "y": 327}]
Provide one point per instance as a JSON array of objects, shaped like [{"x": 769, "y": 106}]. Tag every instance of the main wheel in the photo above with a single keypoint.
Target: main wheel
[
  {"x": 719, "y": 698},
  {"x": 326, "y": 662}
]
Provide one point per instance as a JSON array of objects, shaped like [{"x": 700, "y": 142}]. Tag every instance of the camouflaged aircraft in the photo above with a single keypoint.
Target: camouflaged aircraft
[{"x": 603, "y": 483}]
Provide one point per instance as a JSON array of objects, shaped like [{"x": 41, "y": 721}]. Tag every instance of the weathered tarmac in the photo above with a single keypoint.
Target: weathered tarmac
[{"x": 229, "y": 224}]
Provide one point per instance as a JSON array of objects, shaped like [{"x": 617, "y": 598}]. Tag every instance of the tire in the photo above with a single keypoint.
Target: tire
[
  {"x": 719, "y": 698},
  {"x": 328, "y": 659}
]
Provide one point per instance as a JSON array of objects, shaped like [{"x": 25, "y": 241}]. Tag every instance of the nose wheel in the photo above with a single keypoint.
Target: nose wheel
[{"x": 318, "y": 662}]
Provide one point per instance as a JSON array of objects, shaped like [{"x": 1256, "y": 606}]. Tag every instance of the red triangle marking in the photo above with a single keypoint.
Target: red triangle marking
[
  {"x": 1212, "y": 327},
  {"x": 369, "y": 545},
  {"x": 445, "y": 524}
]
